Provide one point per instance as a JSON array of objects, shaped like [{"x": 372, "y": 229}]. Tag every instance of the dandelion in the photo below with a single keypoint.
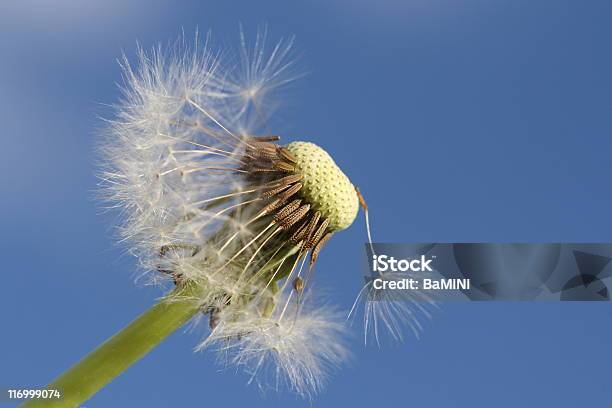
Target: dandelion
[
  {"x": 231, "y": 218},
  {"x": 214, "y": 208},
  {"x": 225, "y": 215}
]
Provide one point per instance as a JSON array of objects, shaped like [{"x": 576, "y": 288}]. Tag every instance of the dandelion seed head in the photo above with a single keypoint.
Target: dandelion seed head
[{"x": 207, "y": 203}]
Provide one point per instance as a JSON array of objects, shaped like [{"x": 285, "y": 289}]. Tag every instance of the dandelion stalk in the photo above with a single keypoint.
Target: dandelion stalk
[{"x": 122, "y": 350}]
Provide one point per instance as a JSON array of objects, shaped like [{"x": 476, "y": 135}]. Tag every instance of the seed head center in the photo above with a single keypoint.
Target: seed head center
[{"x": 326, "y": 188}]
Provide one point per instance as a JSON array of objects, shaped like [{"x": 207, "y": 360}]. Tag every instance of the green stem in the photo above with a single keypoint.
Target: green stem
[{"x": 116, "y": 354}]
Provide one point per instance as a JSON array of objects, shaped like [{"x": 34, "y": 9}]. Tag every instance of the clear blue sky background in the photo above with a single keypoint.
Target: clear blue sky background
[{"x": 460, "y": 121}]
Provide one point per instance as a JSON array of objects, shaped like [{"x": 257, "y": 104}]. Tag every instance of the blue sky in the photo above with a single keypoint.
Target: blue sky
[{"x": 459, "y": 121}]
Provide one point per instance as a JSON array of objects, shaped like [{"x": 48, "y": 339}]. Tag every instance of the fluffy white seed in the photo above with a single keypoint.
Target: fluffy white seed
[{"x": 297, "y": 350}]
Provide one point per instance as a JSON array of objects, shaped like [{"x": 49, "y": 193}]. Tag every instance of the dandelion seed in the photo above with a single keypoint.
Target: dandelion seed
[
  {"x": 389, "y": 311},
  {"x": 297, "y": 352},
  {"x": 392, "y": 311}
]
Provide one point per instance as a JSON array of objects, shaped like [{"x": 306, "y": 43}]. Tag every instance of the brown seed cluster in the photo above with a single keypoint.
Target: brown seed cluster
[
  {"x": 276, "y": 185},
  {"x": 274, "y": 166}
]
